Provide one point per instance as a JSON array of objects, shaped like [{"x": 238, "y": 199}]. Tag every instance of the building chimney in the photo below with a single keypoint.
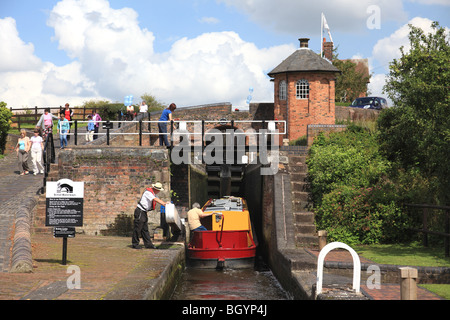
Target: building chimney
[
  {"x": 304, "y": 42},
  {"x": 327, "y": 50}
]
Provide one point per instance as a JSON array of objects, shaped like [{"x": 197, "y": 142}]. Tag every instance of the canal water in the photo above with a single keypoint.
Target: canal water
[{"x": 229, "y": 284}]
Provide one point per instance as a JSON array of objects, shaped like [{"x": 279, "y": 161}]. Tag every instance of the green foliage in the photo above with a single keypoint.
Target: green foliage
[
  {"x": 361, "y": 215},
  {"x": 354, "y": 201},
  {"x": 107, "y": 110},
  {"x": 349, "y": 158},
  {"x": 302, "y": 141},
  {"x": 5, "y": 124},
  {"x": 152, "y": 103},
  {"x": 350, "y": 83},
  {"x": 416, "y": 133}
]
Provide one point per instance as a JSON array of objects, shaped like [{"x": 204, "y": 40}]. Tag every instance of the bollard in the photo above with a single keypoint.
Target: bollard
[
  {"x": 322, "y": 238},
  {"x": 408, "y": 283}
]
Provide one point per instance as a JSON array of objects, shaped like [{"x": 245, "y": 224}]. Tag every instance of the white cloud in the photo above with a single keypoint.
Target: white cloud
[
  {"x": 303, "y": 19},
  {"x": 15, "y": 55},
  {"x": 114, "y": 57},
  {"x": 388, "y": 49},
  {"x": 26, "y": 81}
]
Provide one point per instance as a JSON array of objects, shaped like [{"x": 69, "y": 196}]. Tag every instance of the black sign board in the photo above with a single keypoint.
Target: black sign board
[
  {"x": 64, "y": 204},
  {"x": 64, "y": 232},
  {"x": 108, "y": 125}
]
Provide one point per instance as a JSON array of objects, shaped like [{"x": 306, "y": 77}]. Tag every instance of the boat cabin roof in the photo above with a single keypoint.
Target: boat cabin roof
[{"x": 225, "y": 204}]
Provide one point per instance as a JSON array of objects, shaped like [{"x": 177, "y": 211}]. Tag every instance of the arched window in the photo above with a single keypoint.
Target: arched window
[
  {"x": 302, "y": 89},
  {"x": 282, "y": 90}
]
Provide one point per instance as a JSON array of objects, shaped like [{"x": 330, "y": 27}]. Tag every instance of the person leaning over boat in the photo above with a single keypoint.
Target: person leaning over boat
[
  {"x": 194, "y": 216},
  {"x": 147, "y": 203}
]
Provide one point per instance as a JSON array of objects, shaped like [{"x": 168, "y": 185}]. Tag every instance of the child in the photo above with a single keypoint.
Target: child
[
  {"x": 37, "y": 146},
  {"x": 90, "y": 129},
  {"x": 63, "y": 129}
]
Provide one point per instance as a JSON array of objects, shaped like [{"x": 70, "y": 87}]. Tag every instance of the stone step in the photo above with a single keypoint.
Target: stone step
[
  {"x": 295, "y": 160},
  {"x": 300, "y": 196},
  {"x": 299, "y": 177},
  {"x": 301, "y": 206},
  {"x": 305, "y": 229},
  {"x": 299, "y": 186},
  {"x": 299, "y": 168},
  {"x": 304, "y": 217},
  {"x": 306, "y": 241}
]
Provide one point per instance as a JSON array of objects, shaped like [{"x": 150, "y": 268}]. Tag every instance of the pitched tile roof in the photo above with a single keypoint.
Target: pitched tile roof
[{"x": 304, "y": 60}]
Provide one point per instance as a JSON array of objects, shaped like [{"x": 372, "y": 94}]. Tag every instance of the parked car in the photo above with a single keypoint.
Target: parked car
[{"x": 370, "y": 103}]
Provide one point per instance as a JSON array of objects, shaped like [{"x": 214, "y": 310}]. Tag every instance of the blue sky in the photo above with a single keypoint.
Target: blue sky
[{"x": 188, "y": 52}]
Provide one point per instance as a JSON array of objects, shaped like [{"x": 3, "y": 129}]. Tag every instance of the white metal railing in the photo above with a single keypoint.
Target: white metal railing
[{"x": 182, "y": 127}]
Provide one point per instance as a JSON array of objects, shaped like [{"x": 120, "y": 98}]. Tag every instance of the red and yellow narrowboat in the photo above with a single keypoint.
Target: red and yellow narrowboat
[{"x": 229, "y": 240}]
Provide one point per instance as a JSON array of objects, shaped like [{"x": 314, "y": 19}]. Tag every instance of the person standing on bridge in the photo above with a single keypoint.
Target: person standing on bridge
[
  {"x": 63, "y": 130},
  {"x": 68, "y": 114},
  {"x": 147, "y": 203},
  {"x": 166, "y": 115},
  {"x": 46, "y": 122}
]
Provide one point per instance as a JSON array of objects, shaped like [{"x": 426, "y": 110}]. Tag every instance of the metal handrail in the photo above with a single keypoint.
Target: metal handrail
[
  {"x": 49, "y": 157},
  {"x": 173, "y": 132}
]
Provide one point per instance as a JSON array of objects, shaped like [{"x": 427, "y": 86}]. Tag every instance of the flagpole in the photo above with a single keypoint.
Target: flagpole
[{"x": 321, "y": 35}]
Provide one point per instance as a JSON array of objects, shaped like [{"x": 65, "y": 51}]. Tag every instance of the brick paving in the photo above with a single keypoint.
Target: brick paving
[
  {"x": 386, "y": 291},
  {"x": 105, "y": 264}
]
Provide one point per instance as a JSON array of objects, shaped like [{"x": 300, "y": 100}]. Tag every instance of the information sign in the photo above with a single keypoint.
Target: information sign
[
  {"x": 64, "y": 232},
  {"x": 64, "y": 203}
]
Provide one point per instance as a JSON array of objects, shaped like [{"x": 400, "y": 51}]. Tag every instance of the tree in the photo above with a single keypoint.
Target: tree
[
  {"x": 152, "y": 103},
  {"x": 416, "y": 133},
  {"x": 350, "y": 83},
  {"x": 5, "y": 124}
]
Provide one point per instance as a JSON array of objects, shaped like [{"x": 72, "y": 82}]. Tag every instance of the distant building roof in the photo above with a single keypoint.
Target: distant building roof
[{"x": 304, "y": 60}]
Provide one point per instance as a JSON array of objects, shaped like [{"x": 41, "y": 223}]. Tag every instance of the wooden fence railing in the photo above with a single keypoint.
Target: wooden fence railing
[
  {"x": 32, "y": 115},
  {"x": 426, "y": 231}
]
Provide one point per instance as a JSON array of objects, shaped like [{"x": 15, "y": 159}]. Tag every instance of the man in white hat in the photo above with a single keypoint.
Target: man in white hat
[{"x": 147, "y": 203}]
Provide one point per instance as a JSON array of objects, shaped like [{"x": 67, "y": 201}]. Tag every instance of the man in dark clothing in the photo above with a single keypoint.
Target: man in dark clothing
[{"x": 147, "y": 203}]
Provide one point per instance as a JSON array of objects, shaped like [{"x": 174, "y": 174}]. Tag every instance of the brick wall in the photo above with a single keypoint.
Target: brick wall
[
  {"x": 114, "y": 180},
  {"x": 318, "y": 108}
]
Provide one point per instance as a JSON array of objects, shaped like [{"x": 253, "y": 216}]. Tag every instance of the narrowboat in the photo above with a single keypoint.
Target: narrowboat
[{"x": 229, "y": 241}]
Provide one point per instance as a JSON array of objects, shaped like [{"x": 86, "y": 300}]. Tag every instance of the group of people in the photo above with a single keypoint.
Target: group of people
[
  {"x": 24, "y": 146},
  {"x": 35, "y": 144},
  {"x": 146, "y": 204},
  {"x": 63, "y": 128}
]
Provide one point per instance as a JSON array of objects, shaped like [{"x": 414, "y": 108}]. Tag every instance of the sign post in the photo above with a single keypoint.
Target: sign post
[{"x": 64, "y": 209}]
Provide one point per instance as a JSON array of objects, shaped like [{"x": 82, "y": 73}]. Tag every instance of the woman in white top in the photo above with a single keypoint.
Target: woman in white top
[{"x": 37, "y": 146}]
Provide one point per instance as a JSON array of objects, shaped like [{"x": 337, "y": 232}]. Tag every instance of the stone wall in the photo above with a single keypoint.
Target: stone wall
[{"x": 355, "y": 114}]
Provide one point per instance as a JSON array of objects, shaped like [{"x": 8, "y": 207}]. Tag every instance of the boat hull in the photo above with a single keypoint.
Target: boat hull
[{"x": 221, "y": 249}]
